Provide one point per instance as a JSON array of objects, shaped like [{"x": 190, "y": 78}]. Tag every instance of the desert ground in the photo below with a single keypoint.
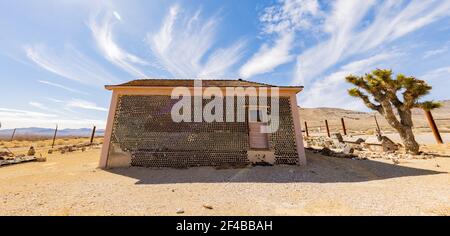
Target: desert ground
[{"x": 71, "y": 184}]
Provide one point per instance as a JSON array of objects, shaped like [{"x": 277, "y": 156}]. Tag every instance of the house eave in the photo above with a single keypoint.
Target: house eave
[{"x": 295, "y": 89}]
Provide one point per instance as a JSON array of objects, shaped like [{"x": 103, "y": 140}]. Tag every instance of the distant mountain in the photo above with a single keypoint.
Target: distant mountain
[{"x": 47, "y": 132}]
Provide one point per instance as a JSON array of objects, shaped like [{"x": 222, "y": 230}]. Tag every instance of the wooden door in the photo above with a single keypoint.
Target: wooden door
[{"x": 257, "y": 140}]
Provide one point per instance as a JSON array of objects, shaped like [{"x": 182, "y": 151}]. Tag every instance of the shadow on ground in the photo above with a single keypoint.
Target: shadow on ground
[{"x": 320, "y": 169}]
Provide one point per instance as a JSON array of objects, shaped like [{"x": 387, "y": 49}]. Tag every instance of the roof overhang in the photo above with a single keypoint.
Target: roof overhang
[{"x": 295, "y": 89}]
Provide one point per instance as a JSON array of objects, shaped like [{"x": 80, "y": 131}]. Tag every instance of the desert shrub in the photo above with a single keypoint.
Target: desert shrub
[
  {"x": 16, "y": 144},
  {"x": 60, "y": 142},
  {"x": 370, "y": 132},
  {"x": 41, "y": 144}
]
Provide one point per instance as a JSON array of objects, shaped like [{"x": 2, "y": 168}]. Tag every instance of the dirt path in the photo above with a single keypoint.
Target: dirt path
[{"x": 70, "y": 184}]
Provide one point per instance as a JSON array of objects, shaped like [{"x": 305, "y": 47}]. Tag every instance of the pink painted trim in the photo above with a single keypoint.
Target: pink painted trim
[
  {"x": 108, "y": 131},
  {"x": 298, "y": 130}
]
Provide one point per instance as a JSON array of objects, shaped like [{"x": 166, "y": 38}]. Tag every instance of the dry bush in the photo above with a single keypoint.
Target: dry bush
[
  {"x": 16, "y": 144},
  {"x": 60, "y": 142},
  {"x": 370, "y": 132},
  {"x": 79, "y": 141},
  {"x": 41, "y": 144}
]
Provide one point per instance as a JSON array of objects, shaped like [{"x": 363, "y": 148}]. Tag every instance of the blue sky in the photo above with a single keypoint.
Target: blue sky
[{"x": 55, "y": 56}]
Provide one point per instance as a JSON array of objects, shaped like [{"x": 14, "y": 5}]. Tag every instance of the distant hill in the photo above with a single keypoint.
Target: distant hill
[
  {"x": 363, "y": 121},
  {"x": 47, "y": 132}
]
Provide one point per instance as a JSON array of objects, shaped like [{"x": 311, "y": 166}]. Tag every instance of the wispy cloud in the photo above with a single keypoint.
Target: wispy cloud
[
  {"x": 37, "y": 105},
  {"x": 332, "y": 90},
  {"x": 15, "y": 118},
  {"x": 70, "y": 64},
  {"x": 54, "y": 100},
  {"x": 267, "y": 58},
  {"x": 281, "y": 20},
  {"x": 348, "y": 37},
  {"x": 83, "y": 104},
  {"x": 61, "y": 86},
  {"x": 101, "y": 26},
  {"x": 66, "y": 108},
  {"x": 117, "y": 15},
  {"x": 7, "y": 112},
  {"x": 63, "y": 110},
  {"x": 183, "y": 41},
  {"x": 221, "y": 61},
  {"x": 339, "y": 23},
  {"x": 442, "y": 73},
  {"x": 435, "y": 52},
  {"x": 290, "y": 15},
  {"x": 439, "y": 79}
]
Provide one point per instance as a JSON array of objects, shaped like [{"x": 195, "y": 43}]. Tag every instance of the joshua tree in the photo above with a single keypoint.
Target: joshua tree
[{"x": 384, "y": 94}]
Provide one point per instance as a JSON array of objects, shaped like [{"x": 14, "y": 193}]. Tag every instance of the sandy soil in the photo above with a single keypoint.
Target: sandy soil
[{"x": 70, "y": 184}]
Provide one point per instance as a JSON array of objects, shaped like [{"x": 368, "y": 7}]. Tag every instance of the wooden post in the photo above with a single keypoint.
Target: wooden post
[
  {"x": 343, "y": 126},
  {"x": 378, "y": 126},
  {"x": 54, "y": 136},
  {"x": 306, "y": 129},
  {"x": 433, "y": 127},
  {"x": 328, "y": 129},
  {"x": 93, "y": 135},
  {"x": 12, "y": 136}
]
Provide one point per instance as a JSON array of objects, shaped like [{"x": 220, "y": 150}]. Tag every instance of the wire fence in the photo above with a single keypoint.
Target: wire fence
[
  {"x": 30, "y": 135},
  {"x": 369, "y": 125}
]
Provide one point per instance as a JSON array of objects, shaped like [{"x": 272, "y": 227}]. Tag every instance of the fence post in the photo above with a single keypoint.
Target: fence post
[
  {"x": 328, "y": 129},
  {"x": 343, "y": 126},
  {"x": 54, "y": 136},
  {"x": 12, "y": 136},
  {"x": 306, "y": 129},
  {"x": 92, "y": 135},
  {"x": 378, "y": 126},
  {"x": 433, "y": 127}
]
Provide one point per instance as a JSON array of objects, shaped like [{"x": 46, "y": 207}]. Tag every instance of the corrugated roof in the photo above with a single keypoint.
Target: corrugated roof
[{"x": 190, "y": 83}]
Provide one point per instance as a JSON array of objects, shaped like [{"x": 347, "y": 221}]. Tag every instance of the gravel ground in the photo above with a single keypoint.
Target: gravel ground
[
  {"x": 421, "y": 138},
  {"x": 70, "y": 184}
]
